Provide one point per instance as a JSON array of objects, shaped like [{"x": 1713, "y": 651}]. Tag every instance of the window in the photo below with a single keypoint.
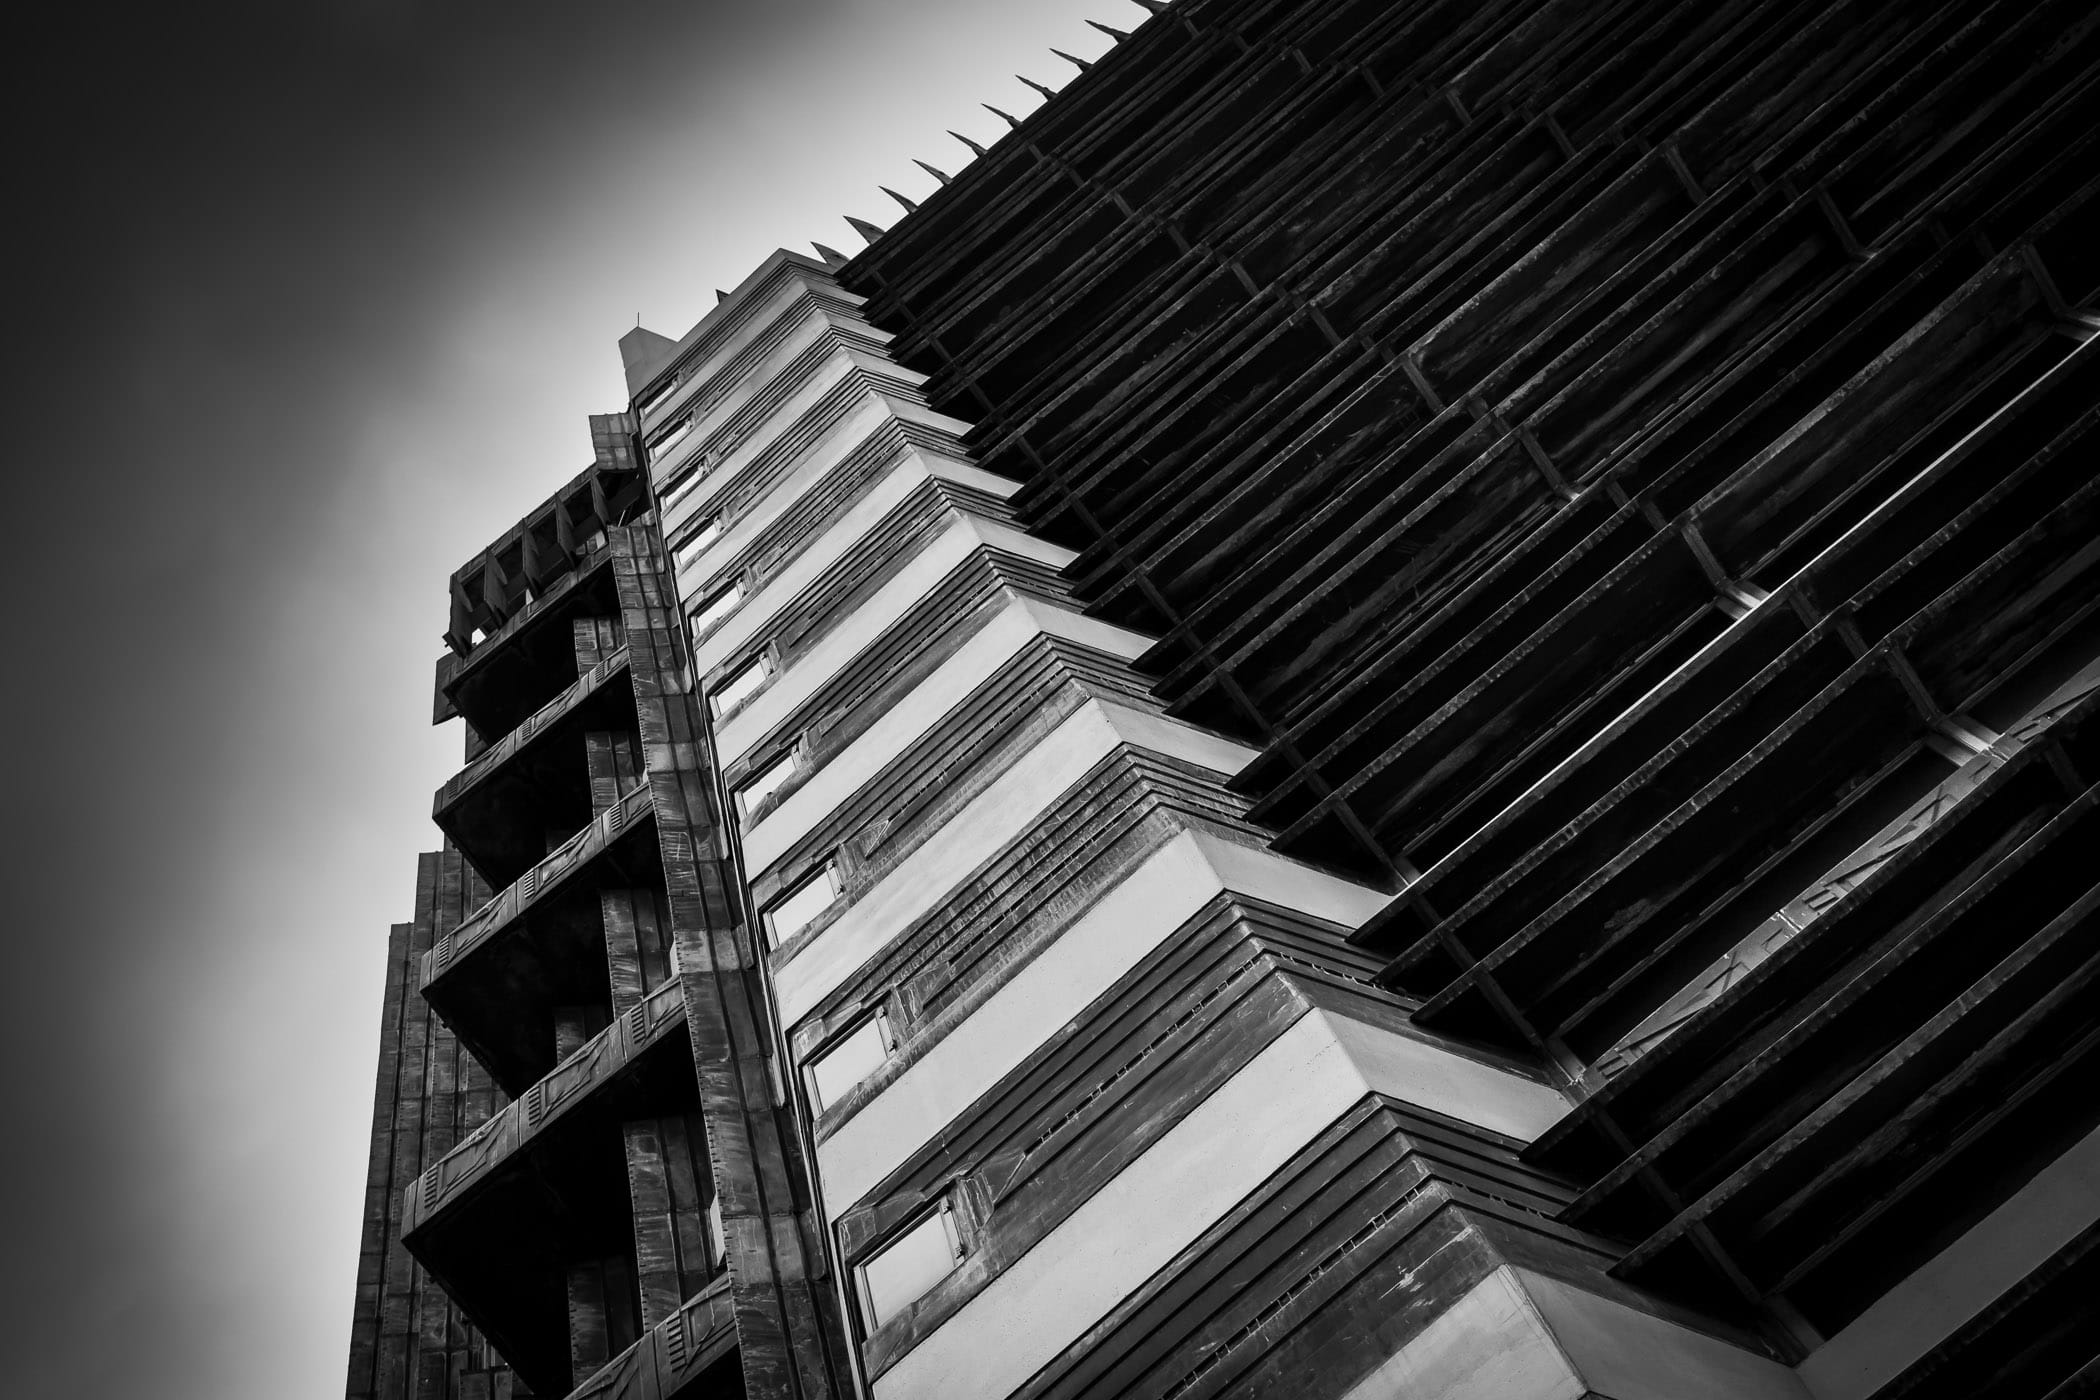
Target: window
[
  {"x": 709, "y": 614},
  {"x": 850, "y": 1059},
  {"x": 661, "y": 397},
  {"x": 715, "y": 1234},
  {"x": 686, "y": 482},
  {"x": 799, "y": 907},
  {"x": 741, "y": 684},
  {"x": 764, "y": 783},
  {"x": 908, "y": 1265},
  {"x": 696, "y": 544},
  {"x": 670, "y": 437}
]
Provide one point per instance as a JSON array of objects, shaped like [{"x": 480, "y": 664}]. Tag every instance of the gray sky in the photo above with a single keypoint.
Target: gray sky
[{"x": 310, "y": 302}]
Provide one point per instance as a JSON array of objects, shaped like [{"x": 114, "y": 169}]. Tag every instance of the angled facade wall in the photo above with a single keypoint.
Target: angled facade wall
[{"x": 1401, "y": 704}]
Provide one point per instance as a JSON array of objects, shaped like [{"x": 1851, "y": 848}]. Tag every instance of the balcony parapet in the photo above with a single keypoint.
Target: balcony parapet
[
  {"x": 543, "y": 1185},
  {"x": 676, "y": 1353},
  {"x": 514, "y": 1130},
  {"x": 533, "y": 556},
  {"x": 458, "y": 675},
  {"x": 540, "y": 720},
  {"x": 506, "y": 908},
  {"x": 499, "y": 808}
]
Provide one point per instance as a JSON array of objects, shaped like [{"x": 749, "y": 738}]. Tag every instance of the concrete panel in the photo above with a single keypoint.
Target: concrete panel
[
  {"x": 1087, "y": 632},
  {"x": 790, "y": 583},
  {"x": 1210, "y": 1161},
  {"x": 1112, "y": 938},
  {"x": 754, "y": 316},
  {"x": 827, "y": 377},
  {"x": 976, "y": 833},
  {"x": 829, "y": 449},
  {"x": 806, "y": 675},
  {"x": 1225, "y": 1148},
  {"x": 1626, "y": 1354},
  {"x": 989, "y": 649},
  {"x": 1428, "y": 1076},
  {"x": 1027, "y": 546},
  {"x": 1518, "y": 1335},
  {"x": 811, "y": 325},
  {"x": 724, "y": 475},
  {"x": 1489, "y": 1345},
  {"x": 1177, "y": 740}
]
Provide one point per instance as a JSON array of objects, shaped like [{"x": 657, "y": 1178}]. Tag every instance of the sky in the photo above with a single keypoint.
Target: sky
[{"x": 309, "y": 302}]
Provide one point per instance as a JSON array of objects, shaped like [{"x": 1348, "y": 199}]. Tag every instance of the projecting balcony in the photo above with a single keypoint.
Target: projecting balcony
[
  {"x": 543, "y": 1186},
  {"x": 499, "y": 977},
  {"x": 499, "y": 808},
  {"x": 531, "y": 658},
  {"x": 693, "y": 1353}
]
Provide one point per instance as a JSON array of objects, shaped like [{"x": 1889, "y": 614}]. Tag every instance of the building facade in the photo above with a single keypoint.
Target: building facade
[{"x": 1402, "y": 704}]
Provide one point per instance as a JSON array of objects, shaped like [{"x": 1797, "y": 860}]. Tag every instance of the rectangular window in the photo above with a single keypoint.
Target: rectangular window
[
  {"x": 670, "y": 437},
  {"x": 660, "y": 397},
  {"x": 715, "y": 1234},
  {"x": 764, "y": 783},
  {"x": 741, "y": 684},
  {"x": 910, "y": 1264},
  {"x": 696, "y": 543},
  {"x": 686, "y": 482},
  {"x": 850, "y": 1059},
  {"x": 709, "y": 615},
  {"x": 799, "y": 907}
]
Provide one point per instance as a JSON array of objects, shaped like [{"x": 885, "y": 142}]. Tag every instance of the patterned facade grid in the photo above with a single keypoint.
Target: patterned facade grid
[{"x": 1624, "y": 466}]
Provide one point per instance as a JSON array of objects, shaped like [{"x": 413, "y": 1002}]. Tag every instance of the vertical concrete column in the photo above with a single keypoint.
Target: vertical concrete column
[
  {"x": 652, "y": 938},
  {"x": 601, "y": 1326},
  {"x": 668, "y": 1179},
  {"x": 630, "y": 916},
  {"x": 671, "y": 1186},
  {"x": 601, "y": 1289},
  {"x": 611, "y": 761},
  {"x": 598, "y": 749},
  {"x": 573, "y": 1025},
  {"x": 596, "y": 638},
  {"x": 691, "y": 1184},
  {"x": 790, "y": 1337}
]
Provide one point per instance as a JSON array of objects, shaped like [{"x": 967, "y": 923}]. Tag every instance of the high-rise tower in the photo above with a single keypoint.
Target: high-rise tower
[{"x": 1403, "y": 704}]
